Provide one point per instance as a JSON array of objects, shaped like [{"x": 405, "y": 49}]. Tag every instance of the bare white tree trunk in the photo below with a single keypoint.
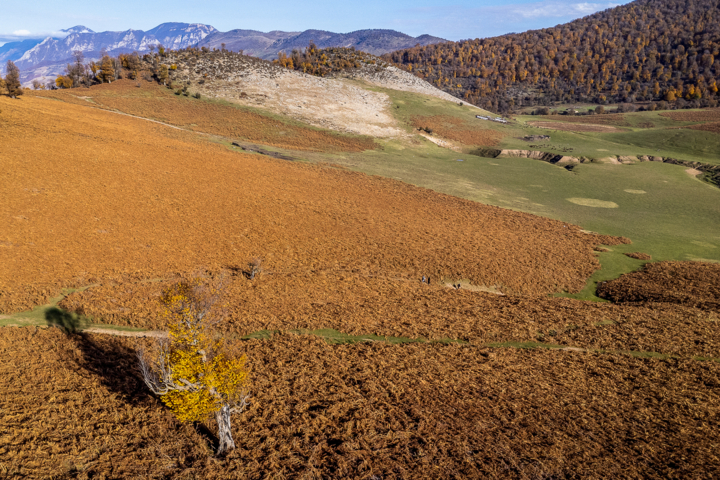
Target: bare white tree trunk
[{"x": 224, "y": 432}]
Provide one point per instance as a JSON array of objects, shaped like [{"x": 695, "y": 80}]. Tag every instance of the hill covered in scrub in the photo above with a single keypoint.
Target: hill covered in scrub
[{"x": 648, "y": 50}]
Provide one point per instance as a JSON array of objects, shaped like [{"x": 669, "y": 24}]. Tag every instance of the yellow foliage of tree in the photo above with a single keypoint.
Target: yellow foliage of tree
[
  {"x": 191, "y": 371},
  {"x": 63, "y": 81}
]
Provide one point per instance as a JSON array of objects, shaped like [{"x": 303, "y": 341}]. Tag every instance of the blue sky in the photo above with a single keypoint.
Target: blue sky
[{"x": 451, "y": 19}]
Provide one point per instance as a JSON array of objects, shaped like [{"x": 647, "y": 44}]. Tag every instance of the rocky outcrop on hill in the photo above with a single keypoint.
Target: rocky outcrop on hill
[
  {"x": 327, "y": 102},
  {"x": 712, "y": 172},
  {"x": 324, "y": 102},
  {"x": 396, "y": 79}
]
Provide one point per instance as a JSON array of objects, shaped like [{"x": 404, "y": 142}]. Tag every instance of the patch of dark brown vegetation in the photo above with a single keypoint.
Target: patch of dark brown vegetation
[
  {"x": 638, "y": 255},
  {"x": 692, "y": 284}
]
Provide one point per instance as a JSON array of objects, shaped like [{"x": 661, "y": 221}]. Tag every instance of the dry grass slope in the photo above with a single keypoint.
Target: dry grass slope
[
  {"x": 91, "y": 196},
  {"x": 155, "y": 102},
  {"x": 466, "y": 133},
  {"x": 362, "y": 411},
  {"x": 127, "y": 206}
]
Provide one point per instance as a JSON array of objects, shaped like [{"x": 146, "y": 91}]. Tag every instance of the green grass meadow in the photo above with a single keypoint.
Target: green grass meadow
[{"x": 666, "y": 212}]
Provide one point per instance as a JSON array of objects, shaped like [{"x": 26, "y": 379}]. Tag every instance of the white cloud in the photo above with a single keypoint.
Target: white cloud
[
  {"x": 552, "y": 9},
  {"x": 19, "y": 35},
  {"x": 555, "y": 9},
  {"x": 459, "y": 22}
]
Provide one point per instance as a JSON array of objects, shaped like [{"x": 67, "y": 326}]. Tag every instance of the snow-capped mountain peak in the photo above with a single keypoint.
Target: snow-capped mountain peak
[{"x": 77, "y": 29}]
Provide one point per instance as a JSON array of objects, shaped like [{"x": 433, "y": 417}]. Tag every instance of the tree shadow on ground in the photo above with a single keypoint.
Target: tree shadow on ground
[{"x": 114, "y": 361}]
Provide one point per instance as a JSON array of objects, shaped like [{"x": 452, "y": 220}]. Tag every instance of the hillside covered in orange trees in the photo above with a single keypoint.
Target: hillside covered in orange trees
[{"x": 648, "y": 50}]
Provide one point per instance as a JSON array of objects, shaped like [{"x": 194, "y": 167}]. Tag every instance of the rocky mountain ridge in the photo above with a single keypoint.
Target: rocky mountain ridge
[
  {"x": 268, "y": 45},
  {"x": 48, "y": 57},
  {"x": 45, "y": 59}
]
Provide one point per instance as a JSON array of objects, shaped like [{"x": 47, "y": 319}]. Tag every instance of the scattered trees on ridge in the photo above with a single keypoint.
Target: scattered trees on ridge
[{"x": 320, "y": 62}]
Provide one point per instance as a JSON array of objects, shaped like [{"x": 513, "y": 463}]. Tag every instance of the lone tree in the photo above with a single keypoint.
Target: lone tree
[
  {"x": 107, "y": 70},
  {"x": 12, "y": 80},
  {"x": 191, "y": 371}
]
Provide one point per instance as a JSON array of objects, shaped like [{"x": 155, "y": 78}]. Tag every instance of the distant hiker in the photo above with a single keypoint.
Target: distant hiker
[{"x": 424, "y": 279}]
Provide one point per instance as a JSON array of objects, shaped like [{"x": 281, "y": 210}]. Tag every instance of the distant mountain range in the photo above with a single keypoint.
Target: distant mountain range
[
  {"x": 45, "y": 59},
  {"x": 48, "y": 57},
  {"x": 268, "y": 45}
]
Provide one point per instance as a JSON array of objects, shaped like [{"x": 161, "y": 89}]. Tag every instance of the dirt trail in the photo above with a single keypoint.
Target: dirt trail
[{"x": 125, "y": 333}]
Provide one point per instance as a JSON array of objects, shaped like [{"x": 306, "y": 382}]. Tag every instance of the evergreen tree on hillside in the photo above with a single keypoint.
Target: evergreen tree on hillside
[
  {"x": 107, "y": 71},
  {"x": 12, "y": 80},
  {"x": 163, "y": 74},
  {"x": 76, "y": 71}
]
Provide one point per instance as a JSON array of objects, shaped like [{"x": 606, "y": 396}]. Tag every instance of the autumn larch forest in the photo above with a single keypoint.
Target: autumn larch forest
[{"x": 646, "y": 51}]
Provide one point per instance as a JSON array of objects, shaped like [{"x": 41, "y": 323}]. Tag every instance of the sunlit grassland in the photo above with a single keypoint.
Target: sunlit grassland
[{"x": 676, "y": 218}]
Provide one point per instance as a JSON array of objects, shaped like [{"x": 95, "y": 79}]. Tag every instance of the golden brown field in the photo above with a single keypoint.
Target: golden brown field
[
  {"x": 125, "y": 207},
  {"x": 358, "y": 411},
  {"x": 150, "y": 100},
  {"x": 713, "y": 127},
  {"x": 90, "y": 195},
  {"x": 682, "y": 283},
  {"x": 705, "y": 115}
]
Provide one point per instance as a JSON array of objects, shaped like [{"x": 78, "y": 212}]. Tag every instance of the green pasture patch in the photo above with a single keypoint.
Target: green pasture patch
[
  {"x": 675, "y": 219},
  {"x": 640, "y": 354},
  {"x": 334, "y": 337},
  {"x": 679, "y": 143},
  {"x": 38, "y": 315},
  {"x": 51, "y": 315},
  {"x": 525, "y": 345},
  {"x": 414, "y": 104},
  {"x": 664, "y": 139},
  {"x": 706, "y": 359}
]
